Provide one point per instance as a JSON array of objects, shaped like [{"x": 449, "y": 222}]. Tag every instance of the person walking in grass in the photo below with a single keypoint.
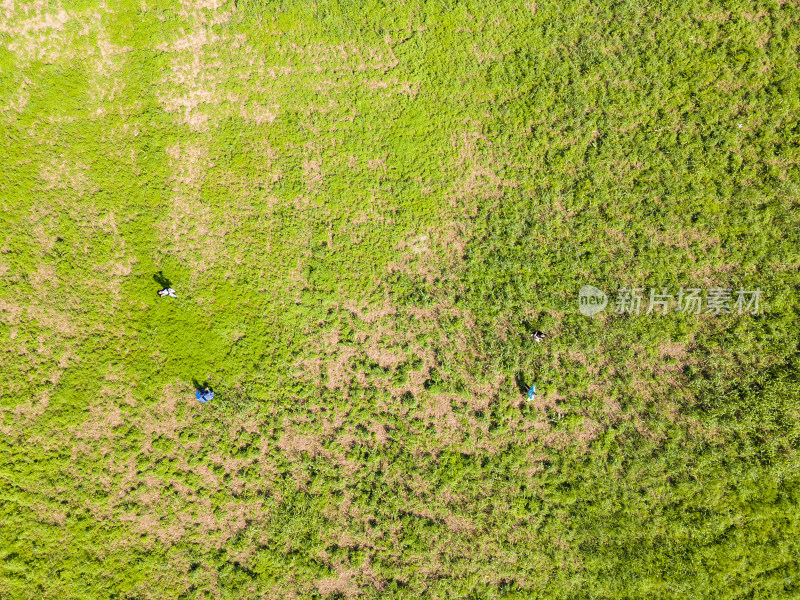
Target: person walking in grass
[{"x": 205, "y": 394}]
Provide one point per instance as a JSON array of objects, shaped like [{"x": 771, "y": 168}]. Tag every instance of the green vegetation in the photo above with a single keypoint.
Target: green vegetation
[{"x": 365, "y": 208}]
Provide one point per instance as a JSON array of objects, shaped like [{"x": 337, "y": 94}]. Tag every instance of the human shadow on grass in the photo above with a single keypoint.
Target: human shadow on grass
[
  {"x": 197, "y": 385},
  {"x": 162, "y": 281},
  {"x": 519, "y": 379}
]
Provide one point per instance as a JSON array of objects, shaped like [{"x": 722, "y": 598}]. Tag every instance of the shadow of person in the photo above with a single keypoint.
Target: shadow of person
[
  {"x": 162, "y": 281},
  {"x": 519, "y": 379},
  {"x": 198, "y": 386}
]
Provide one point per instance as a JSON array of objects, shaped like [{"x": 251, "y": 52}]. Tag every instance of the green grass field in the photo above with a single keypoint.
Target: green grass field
[{"x": 365, "y": 209}]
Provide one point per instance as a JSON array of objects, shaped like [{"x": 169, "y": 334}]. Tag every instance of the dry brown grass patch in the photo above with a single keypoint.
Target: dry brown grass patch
[
  {"x": 37, "y": 34},
  {"x": 312, "y": 174},
  {"x": 30, "y": 411},
  {"x": 294, "y": 444},
  {"x": 341, "y": 584}
]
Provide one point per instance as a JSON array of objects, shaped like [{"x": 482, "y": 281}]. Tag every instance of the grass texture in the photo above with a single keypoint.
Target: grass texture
[{"x": 365, "y": 209}]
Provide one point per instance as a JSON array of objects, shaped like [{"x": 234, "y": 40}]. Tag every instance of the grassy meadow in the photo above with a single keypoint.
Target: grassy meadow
[{"x": 365, "y": 209}]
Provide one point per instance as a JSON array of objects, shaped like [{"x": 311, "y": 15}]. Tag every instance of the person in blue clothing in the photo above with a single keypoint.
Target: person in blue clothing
[
  {"x": 204, "y": 395},
  {"x": 532, "y": 393}
]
